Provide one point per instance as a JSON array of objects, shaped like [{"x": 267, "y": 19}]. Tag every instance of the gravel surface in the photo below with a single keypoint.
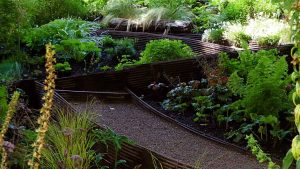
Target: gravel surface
[{"x": 166, "y": 138}]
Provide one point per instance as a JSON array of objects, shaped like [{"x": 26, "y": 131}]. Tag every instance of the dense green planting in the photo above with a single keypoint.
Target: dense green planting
[
  {"x": 165, "y": 49},
  {"x": 49, "y": 10},
  {"x": 260, "y": 81},
  {"x": 58, "y": 30},
  {"x": 252, "y": 91}
]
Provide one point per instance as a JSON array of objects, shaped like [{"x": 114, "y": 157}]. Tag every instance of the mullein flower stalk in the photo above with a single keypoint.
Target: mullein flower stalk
[
  {"x": 10, "y": 112},
  {"x": 45, "y": 112}
]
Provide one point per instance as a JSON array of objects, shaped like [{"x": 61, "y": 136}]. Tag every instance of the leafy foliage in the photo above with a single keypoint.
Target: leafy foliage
[
  {"x": 204, "y": 19},
  {"x": 269, "y": 41},
  {"x": 164, "y": 50},
  {"x": 180, "y": 98},
  {"x": 116, "y": 51},
  {"x": 58, "y": 30},
  {"x": 177, "y": 9},
  {"x": 121, "y": 9},
  {"x": 63, "y": 67},
  {"x": 263, "y": 85},
  {"x": 213, "y": 35},
  {"x": 15, "y": 17},
  {"x": 241, "y": 10},
  {"x": 49, "y": 10},
  {"x": 259, "y": 153},
  {"x": 108, "y": 135},
  {"x": 292, "y": 9},
  {"x": 259, "y": 80},
  {"x": 76, "y": 49},
  {"x": 70, "y": 142},
  {"x": 10, "y": 71}
]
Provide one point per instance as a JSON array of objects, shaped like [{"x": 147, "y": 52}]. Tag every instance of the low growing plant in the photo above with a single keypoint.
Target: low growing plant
[
  {"x": 109, "y": 136},
  {"x": 213, "y": 35},
  {"x": 180, "y": 98}
]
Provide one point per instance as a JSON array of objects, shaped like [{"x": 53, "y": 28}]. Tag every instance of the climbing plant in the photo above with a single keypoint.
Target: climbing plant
[{"x": 292, "y": 7}]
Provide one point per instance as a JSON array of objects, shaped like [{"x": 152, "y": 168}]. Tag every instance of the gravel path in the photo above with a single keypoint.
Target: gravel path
[{"x": 166, "y": 138}]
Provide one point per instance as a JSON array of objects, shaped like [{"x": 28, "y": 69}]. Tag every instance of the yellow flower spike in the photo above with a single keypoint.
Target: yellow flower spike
[
  {"x": 10, "y": 112},
  {"x": 45, "y": 111}
]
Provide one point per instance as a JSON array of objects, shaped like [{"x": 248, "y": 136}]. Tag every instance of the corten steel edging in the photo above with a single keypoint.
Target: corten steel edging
[
  {"x": 133, "y": 154},
  {"x": 194, "y": 40},
  {"x": 148, "y": 107},
  {"x": 199, "y": 47}
]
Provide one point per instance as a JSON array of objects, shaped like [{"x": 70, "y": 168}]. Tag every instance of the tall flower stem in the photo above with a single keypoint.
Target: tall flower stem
[
  {"x": 45, "y": 111},
  {"x": 10, "y": 112}
]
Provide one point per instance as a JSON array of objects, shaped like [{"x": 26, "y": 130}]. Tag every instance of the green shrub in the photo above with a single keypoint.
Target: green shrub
[
  {"x": 77, "y": 50},
  {"x": 164, "y": 50},
  {"x": 95, "y": 7},
  {"x": 63, "y": 67},
  {"x": 58, "y": 30},
  {"x": 236, "y": 11},
  {"x": 268, "y": 41},
  {"x": 204, "y": 19},
  {"x": 14, "y": 18},
  {"x": 125, "y": 62},
  {"x": 114, "y": 51}
]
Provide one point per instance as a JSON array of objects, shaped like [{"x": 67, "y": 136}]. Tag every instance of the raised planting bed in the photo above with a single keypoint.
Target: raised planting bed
[
  {"x": 196, "y": 38},
  {"x": 142, "y": 38},
  {"x": 134, "y": 155},
  {"x": 177, "y": 26}
]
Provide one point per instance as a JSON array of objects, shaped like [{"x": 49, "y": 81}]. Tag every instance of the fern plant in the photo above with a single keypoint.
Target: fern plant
[{"x": 259, "y": 80}]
